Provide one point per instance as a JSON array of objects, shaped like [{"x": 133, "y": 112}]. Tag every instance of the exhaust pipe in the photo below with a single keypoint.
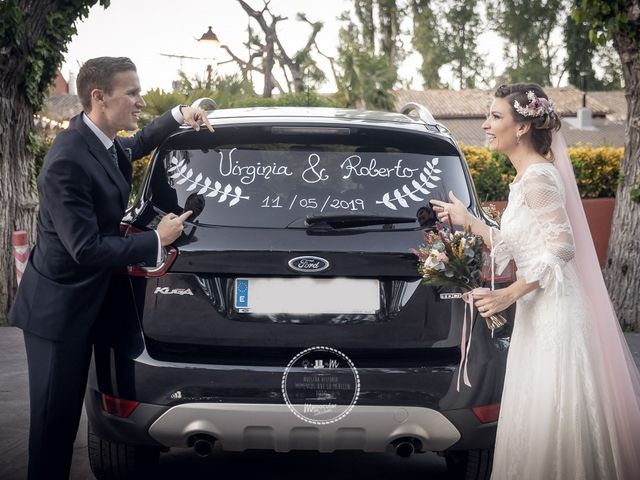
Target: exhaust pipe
[
  {"x": 407, "y": 446},
  {"x": 202, "y": 444}
]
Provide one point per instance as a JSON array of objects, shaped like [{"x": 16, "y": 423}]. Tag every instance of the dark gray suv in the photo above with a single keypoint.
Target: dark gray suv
[{"x": 290, "y": 314}]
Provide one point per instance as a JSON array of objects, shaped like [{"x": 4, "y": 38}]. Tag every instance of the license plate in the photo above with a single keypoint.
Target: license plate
[{"x": 307, "y": 295}]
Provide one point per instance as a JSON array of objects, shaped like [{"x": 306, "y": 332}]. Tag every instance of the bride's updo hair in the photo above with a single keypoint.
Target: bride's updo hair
[{"x": 529, "y": 103}]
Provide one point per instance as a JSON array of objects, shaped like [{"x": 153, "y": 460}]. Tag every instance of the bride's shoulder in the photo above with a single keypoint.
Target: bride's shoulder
[
  {"x": 541, "y": 175},
  {"x": 540, "y": 170}
]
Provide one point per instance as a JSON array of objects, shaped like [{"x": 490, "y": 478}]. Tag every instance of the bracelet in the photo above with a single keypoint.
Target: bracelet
[{"x": 180, "y": 107}]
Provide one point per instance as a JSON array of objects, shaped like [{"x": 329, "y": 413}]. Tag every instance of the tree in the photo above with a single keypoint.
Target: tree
[
  {"x": 33, "y": 38},
  {"x": 367, "y": 78},
  {"x": 389, "y": 17},
  {"x": 526, "y": 26},
  {"x": 464, "y": 26},
  {"x": 580, "y": 52},
  {"x": 270, "y": 50},
  {"x": 583, "y": 56},
  {"x": 429, "y": 41},
  {"x": 369, "y": 54},
  {"x": 608, "y": 60},
  {"x": 620, "y": 21}
]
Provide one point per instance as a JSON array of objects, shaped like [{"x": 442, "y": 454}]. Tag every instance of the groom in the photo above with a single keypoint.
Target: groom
[{"x": 83, "y": 188}]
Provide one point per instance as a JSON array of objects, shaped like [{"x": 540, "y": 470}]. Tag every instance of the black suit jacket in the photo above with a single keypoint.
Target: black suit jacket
[{"x": 83, "y": 198}]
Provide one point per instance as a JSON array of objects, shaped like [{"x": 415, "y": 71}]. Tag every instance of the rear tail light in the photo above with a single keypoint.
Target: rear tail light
[
  {"x": 160, "y": 270},
  {"x": 487, "y": 413},
  {"x": 148, "y": 272},
  {"x": 119, "y": 407}
]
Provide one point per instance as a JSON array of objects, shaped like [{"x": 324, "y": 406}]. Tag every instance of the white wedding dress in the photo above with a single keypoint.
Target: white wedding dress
[{"x": 552, "y": 423}]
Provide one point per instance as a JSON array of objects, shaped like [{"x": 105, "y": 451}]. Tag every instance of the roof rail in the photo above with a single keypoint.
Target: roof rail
[
  {"x": 423, "y": 112},
  {"x": 205, "y": 103}
]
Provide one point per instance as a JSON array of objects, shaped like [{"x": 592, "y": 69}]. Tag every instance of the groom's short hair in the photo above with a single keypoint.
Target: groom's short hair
[{"x": 98, "y": 73}]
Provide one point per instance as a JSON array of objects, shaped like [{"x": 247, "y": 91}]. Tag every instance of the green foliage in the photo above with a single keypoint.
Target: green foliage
[
  {"x": 606, "y": 17},
  {"x": 526, "y": 27},
  {"x": 597, "y": 171},
  {"x": 12, "y": 27},
  {"x": 464, "y": 26},
  {"x": 229, "y": 92},
  {"x": 491, "y": 172},
  {"x": 369, "y": 54},
  {"x": 368, "y": 78},
  {"x": 429, "y": 40},
  {"x": 137, "y": 176},
  {"x": 581, "y": 55},
  {"x": 44, "y": 53},
  {"x": 38, "y": 145},
  {"x": 388, "y": 28},
  {"x": 312, "y": 99},
  {"x": 158, "y": 101}
]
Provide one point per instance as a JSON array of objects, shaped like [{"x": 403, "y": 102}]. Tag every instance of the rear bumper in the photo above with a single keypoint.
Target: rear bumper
[
  {"x": 240, "y": 427},
  {"x": 242, "y": 407}
]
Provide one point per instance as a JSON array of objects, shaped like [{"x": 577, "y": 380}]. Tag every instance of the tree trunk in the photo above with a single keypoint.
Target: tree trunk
[
  {"x": 18, "y": 203},
  {"x": 622, "y": 272},
  {"x": 298, "y": 80},
  {"x": 25, "y": 25},
  {"x": 269, "y": 62}
]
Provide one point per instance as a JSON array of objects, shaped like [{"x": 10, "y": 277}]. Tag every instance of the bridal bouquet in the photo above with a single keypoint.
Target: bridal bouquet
[{"x": 454, "y": 259}]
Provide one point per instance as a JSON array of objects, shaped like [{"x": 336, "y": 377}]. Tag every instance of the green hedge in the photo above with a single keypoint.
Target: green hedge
[{"x": 597, "y": 171}]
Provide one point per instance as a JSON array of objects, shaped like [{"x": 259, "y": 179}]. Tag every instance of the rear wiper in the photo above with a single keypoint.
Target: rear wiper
[{"x": 338, "y": 221}]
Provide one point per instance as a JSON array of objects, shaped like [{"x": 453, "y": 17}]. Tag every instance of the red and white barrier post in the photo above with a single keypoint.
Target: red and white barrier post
[{"x": 20, "y": 242}]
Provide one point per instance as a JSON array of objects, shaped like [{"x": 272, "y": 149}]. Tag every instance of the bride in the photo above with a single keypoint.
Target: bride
[{"x": 571, "y": 401}]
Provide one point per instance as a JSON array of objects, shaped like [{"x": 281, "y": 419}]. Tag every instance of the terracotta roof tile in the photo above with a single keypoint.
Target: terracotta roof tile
[
  {"x": 474, "y": 103},
  {"x": 469, "y": 131},
  {"x": 614, "y": 100},
  {"x": 62, "y": 106}
]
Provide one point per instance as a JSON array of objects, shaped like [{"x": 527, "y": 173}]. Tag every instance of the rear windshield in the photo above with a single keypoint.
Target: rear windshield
[{"x": 273, "y": 184}]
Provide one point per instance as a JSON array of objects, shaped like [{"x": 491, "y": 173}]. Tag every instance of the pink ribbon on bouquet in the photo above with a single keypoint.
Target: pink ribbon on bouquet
[{"x": 465, "y": 343}]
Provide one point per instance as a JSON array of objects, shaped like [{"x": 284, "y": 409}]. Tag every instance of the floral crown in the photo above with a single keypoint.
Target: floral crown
[{"x": 536, "y": 107}]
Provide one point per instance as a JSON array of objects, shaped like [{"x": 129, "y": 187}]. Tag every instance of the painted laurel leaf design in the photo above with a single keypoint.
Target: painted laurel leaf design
[
  {"x": 411, "y": 194},
  {"x": 426, "y": 176},
  {"x": 387, "y": 202},
  {"x": 401, "y": 201},
  {"x": 178, "y": 170},
  {"x": 225, "y": 193}
]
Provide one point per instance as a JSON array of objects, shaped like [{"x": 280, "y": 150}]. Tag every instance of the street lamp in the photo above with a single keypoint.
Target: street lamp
[
  {"x": 209, "y": 38},
  {"x": 583, "y": 87},
  {"x": 584, "y": 114}
]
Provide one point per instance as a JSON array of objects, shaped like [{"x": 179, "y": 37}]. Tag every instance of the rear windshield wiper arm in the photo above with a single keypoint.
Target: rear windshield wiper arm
[{"x": 337, "y": 221}]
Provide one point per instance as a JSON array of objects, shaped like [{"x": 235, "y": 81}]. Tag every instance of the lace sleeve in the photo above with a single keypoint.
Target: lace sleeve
[
  {"x": 500, "y": 254},
  {"x": 544, "y": 196}
]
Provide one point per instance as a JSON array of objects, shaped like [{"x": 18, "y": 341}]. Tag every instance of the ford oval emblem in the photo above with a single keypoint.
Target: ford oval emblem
[{"x": 308, "y": 264}]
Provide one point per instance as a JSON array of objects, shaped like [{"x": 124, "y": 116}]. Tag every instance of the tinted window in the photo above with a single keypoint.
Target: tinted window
[{"x": 279, "y": 184}]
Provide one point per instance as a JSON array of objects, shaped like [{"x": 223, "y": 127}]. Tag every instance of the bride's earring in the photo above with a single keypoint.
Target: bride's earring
[{"x": 517, "y": 139}]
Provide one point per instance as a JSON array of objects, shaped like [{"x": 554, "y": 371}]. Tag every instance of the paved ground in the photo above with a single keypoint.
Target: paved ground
[{"x": 14, "y": 422}]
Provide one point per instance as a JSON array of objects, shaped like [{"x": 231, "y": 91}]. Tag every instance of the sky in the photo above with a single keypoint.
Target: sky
[{"x": 145, "y": 29}]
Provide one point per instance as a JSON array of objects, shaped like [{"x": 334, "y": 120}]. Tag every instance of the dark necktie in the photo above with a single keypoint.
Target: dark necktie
[{"x": 114, "y": 155}]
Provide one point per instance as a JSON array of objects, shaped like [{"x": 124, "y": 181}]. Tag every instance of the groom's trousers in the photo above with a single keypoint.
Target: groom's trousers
[{"x": 57, "y": 383}]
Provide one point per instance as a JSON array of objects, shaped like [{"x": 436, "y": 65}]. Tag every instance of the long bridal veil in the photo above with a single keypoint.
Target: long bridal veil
[{"x": 618, "y": 379}]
